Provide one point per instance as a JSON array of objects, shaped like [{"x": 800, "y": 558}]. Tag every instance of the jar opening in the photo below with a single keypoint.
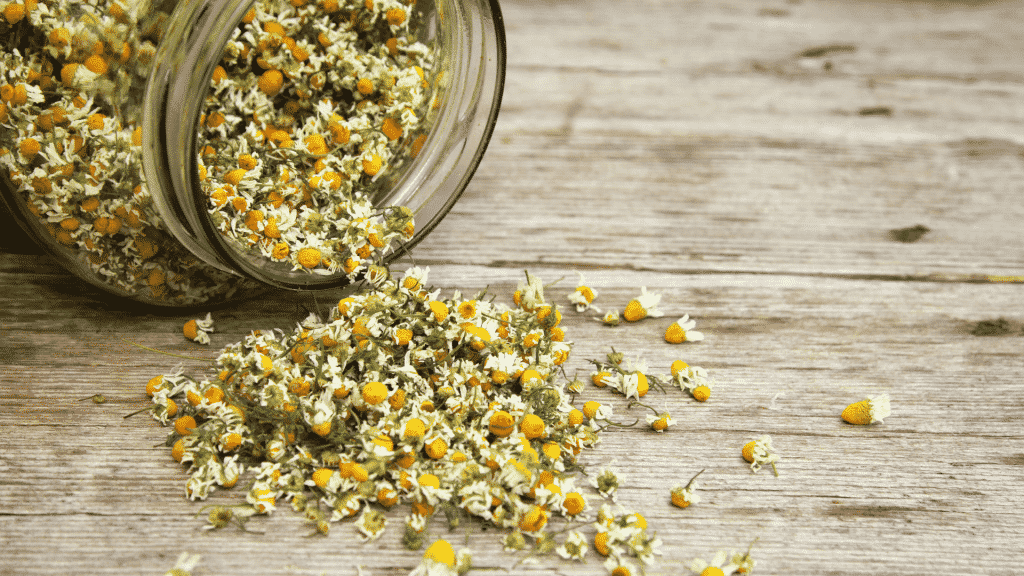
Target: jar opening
[{"x": 291, "y": 166}]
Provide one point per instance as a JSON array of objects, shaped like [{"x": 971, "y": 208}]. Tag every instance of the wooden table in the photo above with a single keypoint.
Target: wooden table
[{"x": 747, "y": 160}]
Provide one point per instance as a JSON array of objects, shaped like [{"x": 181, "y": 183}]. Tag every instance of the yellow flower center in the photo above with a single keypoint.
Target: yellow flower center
[
  {"x": 634, "y": 311},
  {"x": 500, "y": 423},
  {"x": 374, "y": 393},
  {"x": 441, "y": 552},
  {"x": 701, "y": 393},
  {"x": 532, "y": 426}
]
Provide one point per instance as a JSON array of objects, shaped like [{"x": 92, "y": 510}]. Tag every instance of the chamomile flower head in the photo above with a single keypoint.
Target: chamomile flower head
[
  {"x": 685, "y": 496},
  {"x": 611, "y": 318},
  {"x": 440, "y": 559},
  {"x": 867, "y": 411},
  {"x": 760, "y": 452},
  {"x": 574, "y": 548},
  {"x": 643, "y": 306},
  {"x": 371, "y": 524},
  {"x": 660, "y": 422},
  {"x": 718, "y": 566},
  {"x": 682, "y": 330},
  {"x": 514, "y": 541},
  {"x": 530, "y": 295},
  {"x": 198, "y": 330},
  {"x": 643, "y": 546},
  {"x": 583, "y": 296},
  {"x": 607, "y": 482}
]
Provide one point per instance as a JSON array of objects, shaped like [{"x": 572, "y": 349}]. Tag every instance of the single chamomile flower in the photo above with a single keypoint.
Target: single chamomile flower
[
  {"x": 611, "y": 318},
  {"x": 718, "y": 566},
  {"x": 184, "y": 565},
  {"x": 684, "y": 496},
  {"x": 682, "y": 331},
  {"x": 583, "y": 296},
  {"x": 199, "y": 330},
  {"x": 530, "y": 295},
  {"x": 371, "y": 524},
  {"x": 660, "y": 422},
  {"x": 440, "y": 559},
  {"x": 760, "y": 452},
  {"x": 607, "y": 483},
  {"x": 514, "y": 541},
  {"x": 574, "y": 548},
  {"x": 643, "y": 306},
  {"x": 867, "y": 411}
]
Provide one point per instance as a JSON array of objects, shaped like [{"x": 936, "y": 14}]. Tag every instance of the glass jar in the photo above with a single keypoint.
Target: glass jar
[{"x": 180, "y": 153}]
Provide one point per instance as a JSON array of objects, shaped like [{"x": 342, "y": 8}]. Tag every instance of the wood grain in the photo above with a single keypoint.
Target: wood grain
[{"x": 747, "y": 160}]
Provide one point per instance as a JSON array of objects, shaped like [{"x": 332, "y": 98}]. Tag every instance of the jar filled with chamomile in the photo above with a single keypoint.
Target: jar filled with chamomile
[{"x": 182, "y": 153}]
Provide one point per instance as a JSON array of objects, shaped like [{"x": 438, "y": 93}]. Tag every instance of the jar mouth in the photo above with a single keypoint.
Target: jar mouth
[{"x": 468, "y": 40}]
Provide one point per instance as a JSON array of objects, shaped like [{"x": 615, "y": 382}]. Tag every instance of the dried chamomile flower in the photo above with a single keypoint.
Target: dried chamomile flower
[
  {"x": 660, "y": 421},
  {"x": 867, "y": 411},
  {"x": 199, "y": 330},
  {"x": 514, "y": 541},
  {"x": 643, "y": 546},
  {"x": 682, "y": 331},
  {"x": 574, "y": 548},
  {"x": 643, "y": 306},
  {"x": 529, "y": 296},
  {"x": 684, "y": 496},
  {"x": 220, "y": 516},
  {"x": 371, "y": 524},
  {"x": 583, "y": 296},
  {"x": 440, "y": 559},
  {"x": 611, "y": 318},
  {"x": 693, "y": 379},
  {"x": 760, "y": 452},
  {"x": 627, "y": 378},
  {"x": 718, "y": 566},
  {"x": 607, "y": 482},
  {"x": 184, "y": 565}
]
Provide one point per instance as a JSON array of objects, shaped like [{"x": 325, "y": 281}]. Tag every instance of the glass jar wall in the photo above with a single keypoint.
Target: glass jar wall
[{"x": 174, "y": 153}]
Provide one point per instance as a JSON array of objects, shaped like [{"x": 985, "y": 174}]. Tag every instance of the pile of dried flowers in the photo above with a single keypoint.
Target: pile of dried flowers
[{"x": 401, "y": 397}]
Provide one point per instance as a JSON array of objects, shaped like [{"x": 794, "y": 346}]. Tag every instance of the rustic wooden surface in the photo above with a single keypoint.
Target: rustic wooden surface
[{"x": 747, "y": 159}]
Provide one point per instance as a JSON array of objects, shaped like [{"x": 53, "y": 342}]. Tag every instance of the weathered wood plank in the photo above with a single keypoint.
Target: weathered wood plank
[{"x": 937, "y": 481}]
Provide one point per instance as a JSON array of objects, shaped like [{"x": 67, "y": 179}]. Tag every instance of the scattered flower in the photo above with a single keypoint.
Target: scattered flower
[
  {"x": 684, "y": 496},
  {"x": 583, "y": 296},
  {"x": 643, "y": 306},
  {"x": 682, "y": 331},
  {"x": 611, "y": 318},
  {"x": 760, "y": 452},
  {"x": 199, "y": 330},
  {"x": 371, "y": 524},
  {"x": 574, "y": 548},
  {"x": 607, "y": 482},
  {"x": 867, "y": 411},
  {"x": 693, "y": 379}
]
